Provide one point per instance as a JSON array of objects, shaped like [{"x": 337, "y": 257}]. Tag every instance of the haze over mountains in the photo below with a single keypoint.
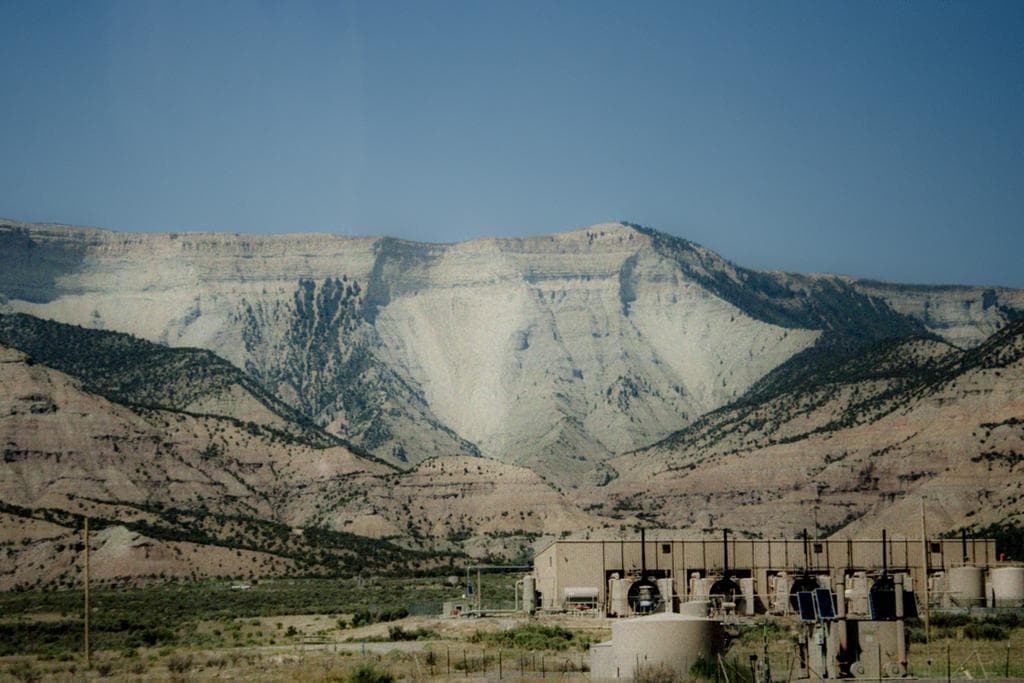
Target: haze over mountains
[{"x": 650, "y": 374}]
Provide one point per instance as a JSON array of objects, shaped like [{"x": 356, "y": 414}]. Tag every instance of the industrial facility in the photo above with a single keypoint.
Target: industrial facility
[
  {"x": 657, "y": 572},
  {"x": 852, "y": 596}
]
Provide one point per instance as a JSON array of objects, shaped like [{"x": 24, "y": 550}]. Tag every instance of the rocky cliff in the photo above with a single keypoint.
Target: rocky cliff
[{"x": 557, "y": 352}]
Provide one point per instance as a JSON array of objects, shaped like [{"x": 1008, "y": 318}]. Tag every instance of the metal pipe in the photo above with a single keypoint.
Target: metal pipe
[
  {"x": 725, "y": 552},
  {"x": 88, "y": 650},
  {"x": 807, "y": 554},
  {"x": 963, "y": 543},
  {"x": 841, "y": 614},
  {"x": 924, "y": 575},
  {"x": 885, "y": 555},
  {"x": 643, "y": 553},
  {"x": 901, "y": 642}
]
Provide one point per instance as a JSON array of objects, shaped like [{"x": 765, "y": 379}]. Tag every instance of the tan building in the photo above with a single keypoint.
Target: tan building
[{"x": 567, "y": 568}]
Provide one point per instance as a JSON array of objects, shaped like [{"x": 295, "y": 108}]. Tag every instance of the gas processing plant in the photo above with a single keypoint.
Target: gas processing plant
[{"x": 852, "y": 596}]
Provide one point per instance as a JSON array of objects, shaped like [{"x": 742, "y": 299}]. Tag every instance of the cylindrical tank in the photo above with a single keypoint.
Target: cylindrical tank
[
  {"x": 529, "y": 594},
  {"x": 778, "y": 589},
  {"x": 665, "y": 587},
  {"x": 617, "y": 591},
  {"x": 699, "y": 587},
  {"x": 747, "y": 587},
  {"x": 1007, "y": 586},
  {"x": 966, "y": 586},
  {"x": 664, "y": 640},
  {"x": 857, "y": 594}
]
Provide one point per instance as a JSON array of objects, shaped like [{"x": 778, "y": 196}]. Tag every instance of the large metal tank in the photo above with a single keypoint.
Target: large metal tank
[
  {"x": 1007, "y": 586},
  {"x": 666, "y": 640},
  {"x": 966, "y": 586}
]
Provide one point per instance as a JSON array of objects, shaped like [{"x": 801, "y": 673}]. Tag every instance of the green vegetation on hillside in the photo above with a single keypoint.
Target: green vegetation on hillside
[
  {"x": 316, "y": 551},
  {"x": 132, "y": 371}
]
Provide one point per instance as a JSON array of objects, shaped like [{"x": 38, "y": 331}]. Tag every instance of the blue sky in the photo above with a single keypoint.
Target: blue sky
[{"x": 877, "y": 139}]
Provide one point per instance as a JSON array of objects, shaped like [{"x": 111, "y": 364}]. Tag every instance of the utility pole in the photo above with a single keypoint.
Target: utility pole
[
  {"x": 88, "y": 652},
  {"x": 924, "y": 578}
]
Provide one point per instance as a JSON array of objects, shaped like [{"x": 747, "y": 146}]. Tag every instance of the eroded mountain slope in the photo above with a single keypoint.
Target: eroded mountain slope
[
  {"x": 178, "y": 484},
  {"x": 556, "y": 352},
  {"x": 857, "y": 449}
]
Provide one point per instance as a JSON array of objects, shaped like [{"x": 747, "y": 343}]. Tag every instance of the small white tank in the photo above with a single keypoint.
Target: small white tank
[
  {"x": 857, "y": 589},
  {"x": 778, "y": 590},
  {"x": 747, "y": 588},
  {"x": 529, "y": 594},
  {"x": 618, "y": 594},
  {"x": 966, "y": 586},
  {"x": 665, "y": 589},
  {"x": 1007, "y": 586},
  {"x": 699, "y": 587}
]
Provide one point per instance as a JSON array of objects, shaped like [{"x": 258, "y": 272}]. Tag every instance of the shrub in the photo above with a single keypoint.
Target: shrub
[
  {"x": 399, "y": 633},
  {"x": 368, "y": 673},
  {"x": 24, "y": 671},
  {"x": 986, "y": 631},
  {"x": 655, "y": 673},
  {"x": 704, "y": 669},
  {"x": 179, "y": 663},
  {"x": 534, "y": 637}
]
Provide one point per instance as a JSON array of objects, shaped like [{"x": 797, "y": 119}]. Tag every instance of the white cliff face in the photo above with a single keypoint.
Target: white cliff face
[
  {"x": 555, "y": 351},
  {"x": 963, "y": 316},
  {"x": 621, "y": 354}
]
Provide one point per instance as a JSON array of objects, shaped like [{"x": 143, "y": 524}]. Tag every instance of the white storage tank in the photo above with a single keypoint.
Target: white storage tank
[
  {"x": 581, "y": 597},
  {"x": 857, "y": 588},
  {"x": 618, "y": 596},
  {"x": 665, "y": 589},
  {"x": 749, "y": 596},
  {"x": 966, "y": 586},
  {"x": 529, "y": 594},
  {"x": 666, "y": 640},
  {"x": 778, "y": 591},
  {"x": 1007, "y": 586},
  {"x": 699, "y": 588}
]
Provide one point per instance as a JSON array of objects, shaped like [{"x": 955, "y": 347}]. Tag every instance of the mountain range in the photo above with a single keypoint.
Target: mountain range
[{"x": 431, "y": 396}]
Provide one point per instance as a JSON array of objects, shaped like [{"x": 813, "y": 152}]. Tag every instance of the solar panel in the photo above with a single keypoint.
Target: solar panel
[
  {"x": 805, "y": 601},
  {"x": 823, "y": 601},
  {"x": 882, "y": 605}
]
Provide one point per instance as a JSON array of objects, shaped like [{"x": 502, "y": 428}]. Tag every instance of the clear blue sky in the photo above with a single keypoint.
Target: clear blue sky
[{"x": 878, "y": 138}]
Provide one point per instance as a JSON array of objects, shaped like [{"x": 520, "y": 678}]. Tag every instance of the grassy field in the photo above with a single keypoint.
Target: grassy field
[
  {"x": 379, "y": 629},
  {"x": 50, "y": 622}
]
